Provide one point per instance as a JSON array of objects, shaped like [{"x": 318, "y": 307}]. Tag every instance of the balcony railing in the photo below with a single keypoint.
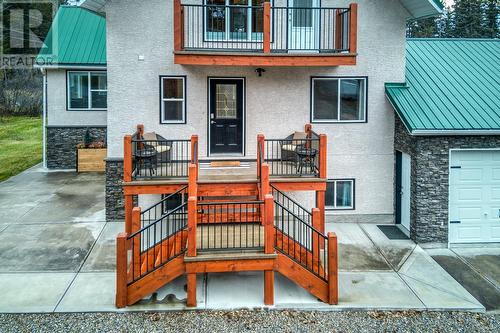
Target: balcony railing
[{"x": 265, "y": 29}]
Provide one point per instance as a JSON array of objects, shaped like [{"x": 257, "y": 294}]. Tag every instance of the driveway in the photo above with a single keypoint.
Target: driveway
[{"x": 57, "y": 254}]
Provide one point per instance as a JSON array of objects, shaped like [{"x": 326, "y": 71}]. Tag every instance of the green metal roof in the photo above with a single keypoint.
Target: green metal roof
[
  {"x": 452, "y": 85},
  {"x": 77, "y": 37}
]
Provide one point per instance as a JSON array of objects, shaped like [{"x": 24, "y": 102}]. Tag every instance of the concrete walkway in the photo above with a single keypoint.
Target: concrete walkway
[{"x": 57, "y": 254}]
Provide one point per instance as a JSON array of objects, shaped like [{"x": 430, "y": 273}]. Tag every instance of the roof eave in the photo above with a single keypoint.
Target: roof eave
[
  {"x": 72, "y": 66},
  {"x": 446, "y": 132},
  {"x": 422, "y": 8}
]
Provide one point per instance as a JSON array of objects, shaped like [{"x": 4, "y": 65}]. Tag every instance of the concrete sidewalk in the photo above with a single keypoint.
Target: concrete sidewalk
[{"x": 57, "y": 254}]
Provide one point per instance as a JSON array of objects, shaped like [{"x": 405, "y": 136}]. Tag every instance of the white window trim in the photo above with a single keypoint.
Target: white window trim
[
  {"x": 338, "y": 120},
  {"x": 163, "y": 99},
  {"x": 89, "y": 91},
  {"x": 335, "y": 207}
]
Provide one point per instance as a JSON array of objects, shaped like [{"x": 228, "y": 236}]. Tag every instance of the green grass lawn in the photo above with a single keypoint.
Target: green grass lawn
[{"x": 20, "y": 144}]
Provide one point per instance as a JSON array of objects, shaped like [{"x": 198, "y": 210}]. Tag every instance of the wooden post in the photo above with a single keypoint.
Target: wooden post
[
  {"x": 129, "y": 205},
  {"x": 267, "y": 28},
  {"x": 308, "y": 130},
  {"x": 323, "y": 152},
  {"x": 191, "y": 290},
  {"x": 140, "y": 129},
  {"x": 269, "y": 287},
  {"x": 316, "y": 244},
  {"x": 121, "y": 270},
  {"x": 136, "y": 242},
  {"x": 177, "y": 25},
  {"x": 264, "y": 180},
  {"x": 320, "y": 204},
  {"x": 127, "y": 158},
  {"x": 338, "y": 29},
  {"x": 353, "y": 27},
  {"x": 260, "y": 151},
  {"x": 269, "y": 224},
  {"x": 192, "y": 211},
  {"x": 193, "y": 184},
  {"x": 194, "y": 150},
  {"x": 333, "y": 279}
]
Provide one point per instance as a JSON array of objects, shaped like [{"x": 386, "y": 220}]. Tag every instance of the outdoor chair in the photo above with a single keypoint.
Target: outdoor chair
[{"x": 289, "y": 146}]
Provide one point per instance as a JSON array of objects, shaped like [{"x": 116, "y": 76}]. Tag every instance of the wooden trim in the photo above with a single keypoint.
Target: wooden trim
[
  {"x": 121, "y": 270},
  {"x": 152, "y": 189},
  {"x": 264, "y": 59},
  {"x": 192, "y": 212},
  {"x": 191, "y": 290},
  {"x": 269, "y": 224},
  {"x": 127, "y": 158},
  {"x": 353, "y": 27},
  {"x": 129, "y": 205},
  {"x": 230, "y": 265},
  {"x": 299, "y": 186},
  {"x": 323, "y": 152},
  {"x": 269, "y": 287},
  {"x": 267, "y": 28},
  {"x": 333, "y": 290},
  {"x": 177, "y": 25}
]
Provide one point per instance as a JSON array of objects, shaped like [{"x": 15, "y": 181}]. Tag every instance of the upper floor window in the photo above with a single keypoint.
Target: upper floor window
[
  {"x": 338, "y": 99},
  {"x": 173, "y": 100},
  {"x": 87, "y": 90}
]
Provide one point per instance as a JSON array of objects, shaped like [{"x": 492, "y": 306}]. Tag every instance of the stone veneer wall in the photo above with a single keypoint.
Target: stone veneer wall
[
  {"x": 430, "y": 181},
  {"x": 115, "y": 208},
  {"x": 61, "y": 144}
]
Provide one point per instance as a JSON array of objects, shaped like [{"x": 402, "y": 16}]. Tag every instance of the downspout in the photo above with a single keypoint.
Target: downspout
[{"x": 44, "y": 119}]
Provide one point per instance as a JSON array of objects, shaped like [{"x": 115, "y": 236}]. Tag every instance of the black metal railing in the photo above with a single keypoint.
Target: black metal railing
[
  {"x": 310, "y": 29},
  {"x": 225, "y": 28},
  {"x": 300, "y": 241},
  {"x": 160, "y": 158},
  {"x": 292, "y": 206},
  {"x": 157, "y": 243},
  {"x": 292, "y": 157},
  {"x": 230, "y": 225},
  {"x": 164, "y": 206}
]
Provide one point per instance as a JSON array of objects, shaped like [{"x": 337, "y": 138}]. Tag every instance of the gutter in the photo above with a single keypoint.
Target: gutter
[
  {"x": 97, "y": 67},
  {"x": 454, "y": 132},
  {"x": 44, "y": 119}
]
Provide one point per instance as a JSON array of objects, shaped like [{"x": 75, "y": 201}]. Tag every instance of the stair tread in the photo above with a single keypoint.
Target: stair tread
[{"x": 218, "y": 256}]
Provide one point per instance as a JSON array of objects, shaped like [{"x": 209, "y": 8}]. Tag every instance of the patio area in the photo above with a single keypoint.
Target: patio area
[{"x": 57, "y": 254}]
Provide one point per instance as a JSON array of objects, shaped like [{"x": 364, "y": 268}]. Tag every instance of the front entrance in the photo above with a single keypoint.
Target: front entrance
[
  {"x": 226, "y": 114},
  {"x": 303, "y": 25},
  {"x": 403, "y": 191}
]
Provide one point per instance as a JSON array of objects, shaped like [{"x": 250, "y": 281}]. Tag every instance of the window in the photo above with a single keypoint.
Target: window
[
  {"x": 173, "y": 100},
  {"x": 240, "y": 21},
  {"x": 340, "y": 194},
  {"x": 338, "y": 99},
  {"x": 87, "y": 90}
]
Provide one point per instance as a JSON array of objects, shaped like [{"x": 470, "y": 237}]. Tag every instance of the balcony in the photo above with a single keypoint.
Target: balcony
[{"x": 229, "y": 35}]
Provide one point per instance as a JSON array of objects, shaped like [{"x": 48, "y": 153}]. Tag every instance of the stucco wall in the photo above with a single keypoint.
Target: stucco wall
[
  {"x": 57, "y": 114},
  {"x": 277, "y": 103}
]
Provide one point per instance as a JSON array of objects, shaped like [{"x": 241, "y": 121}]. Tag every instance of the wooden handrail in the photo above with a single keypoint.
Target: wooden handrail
[
  {"x": 353, "y": 27},
  {"x": 267, "y": 28},
  {"x": 333, "y": 278},
  {"x": 121, "y": 270},
  {"x": 269, "y": 224},
  {"x": 192, "y": 216},
  {"x": 323, "y": 152}
]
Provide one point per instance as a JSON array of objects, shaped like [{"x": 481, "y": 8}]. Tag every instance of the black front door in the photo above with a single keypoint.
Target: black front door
[{"x": 226, "y": 116}]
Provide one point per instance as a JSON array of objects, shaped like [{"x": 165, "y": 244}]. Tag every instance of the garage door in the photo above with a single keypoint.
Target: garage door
[{"x": 474, "y": 196}]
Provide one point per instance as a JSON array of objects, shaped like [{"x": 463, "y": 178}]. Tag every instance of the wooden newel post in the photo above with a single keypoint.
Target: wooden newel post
[
  {"x": 177, "y": 25},
  {"x": 267, "y": 28},
  {"x": 333, "y": 278},
  {"x": 269, "y": 224},
  {"x": 121, "y": 270},
  {"x": 192, "y": 216},
  {"x": 193, "y": 178},
  {"x": 136, "y": 242},
  {"x": 264, "y": 180},
  {"x": 353, "y": 27}
]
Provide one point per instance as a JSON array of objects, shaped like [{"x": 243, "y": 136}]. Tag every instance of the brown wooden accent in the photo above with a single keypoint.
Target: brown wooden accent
[
  {"x": 260, "y": 147},
  {"x": 353, "y": 28},
  {"x": 265, "y": 187},
  {"x": 227, "y": 189},
  {"x": 267, "y": 28},
  {"x": 333, "y": 289},
  {"x": 263, "y": 59},
  {"x": 127, "y": 158},
  {"x": 177, "y": 25},
  {"x": 192, "y": 217},
  {"x": 236, "y": 265},
  {"x": 269, "y": 287},
  {"x": 121, "y": 270},
  {"x": 338, "y": 29},
  {"x": 299, "y": 186},
  {"x": 320, "y": 203},
  {"x": 191, "y": 290},
  {"x": 136, "y": 250},
  {"x": 91, "y": 160},
  {"x": 269, "y": 224},
  {"x": 155, "y": 280},
  {"x": 308, "y": 130},
  {"x": 130, "y": 189},
  {"x": 193, "y": 183},
  {"x": 140, "y": 130},
  {"x": 194, "y": 152},
  {"x": 129, "y": 205},
  {"x": 323, "y": 153},
  {"x": 302, "y": 277},
  {"x": 316, "y": 244}
]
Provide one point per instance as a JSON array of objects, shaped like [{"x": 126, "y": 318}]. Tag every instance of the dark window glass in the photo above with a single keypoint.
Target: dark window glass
[
  {"x": 78, "y": 90},
  {"x": 216, "y": 16},
  {"x": 302, "y": 13},
  {"x": 344, "y": 194},
  {"x": 330, "y": 194},
  {"x": 325, "y": 99},
  {"x": 173, "y": 88},
  {"x": 172, "y": 110},
  {"x": 352, "y": 99}
]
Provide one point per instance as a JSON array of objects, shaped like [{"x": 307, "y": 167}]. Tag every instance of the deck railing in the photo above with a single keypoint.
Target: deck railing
[{"x": 264, "y": 28}]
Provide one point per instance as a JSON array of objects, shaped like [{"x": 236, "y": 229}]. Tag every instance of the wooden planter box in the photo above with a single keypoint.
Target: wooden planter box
[{"x": 88, "y": 159}]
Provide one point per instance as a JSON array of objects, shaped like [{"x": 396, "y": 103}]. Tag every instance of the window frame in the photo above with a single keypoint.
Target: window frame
[
  {"x": 89, "y": 90},
  {"x": 337, "y": 121},
  {"x": 353, "y": 194},
  {"x": 184, "y": 100}
]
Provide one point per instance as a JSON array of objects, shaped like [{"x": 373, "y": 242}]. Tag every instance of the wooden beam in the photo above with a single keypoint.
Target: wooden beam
[
  {"x": 333, "y": 279},
  {"x": 299, "y": 186},
  {"x": 269, "y": 224},
  {"x": 269, "y": 287},
  {"x": 224, "y": 266},
  {"x": 177, "y": 25},
  {"x": 153, "y": 189},
  {"x": 191, "y": 290},
  {"x": 227, "y": 189},
  {"x": 121, "y": 270},
  {"x": 353, "y": 28},
  {"x": 127, "y": 158},
  {"x": 267, "y": 28},
  {"x": 192, "y": 212},
  {"x": 264, "y": 59}
]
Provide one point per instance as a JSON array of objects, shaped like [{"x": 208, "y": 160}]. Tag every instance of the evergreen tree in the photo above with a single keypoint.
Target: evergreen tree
[{"x": 491, "y": 19}]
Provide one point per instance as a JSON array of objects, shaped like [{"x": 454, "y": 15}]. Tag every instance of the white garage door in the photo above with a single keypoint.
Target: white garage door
[{"x": 474, "y": 196}]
